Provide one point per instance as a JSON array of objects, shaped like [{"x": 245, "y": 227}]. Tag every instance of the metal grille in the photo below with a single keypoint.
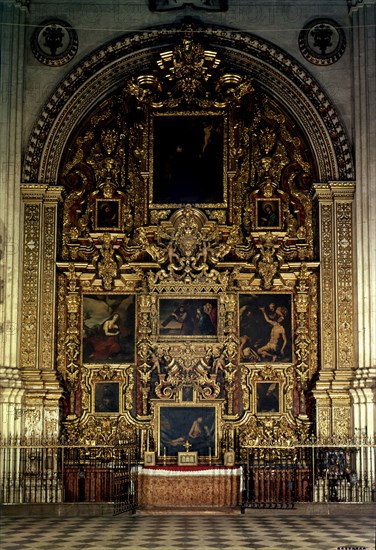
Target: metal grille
[
  {"x": 32, "y": 472},
  {"x": 280, "y": 476},
  {"x": 275, "y": 476}
]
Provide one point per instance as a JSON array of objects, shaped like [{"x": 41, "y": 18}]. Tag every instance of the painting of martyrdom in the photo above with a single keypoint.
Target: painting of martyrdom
[
  {"x": 265, "y": 328},
  {"x": 108, "y": 328},
  {"x": 268, "y": 214},
  {"x": 177, "y": 425},
  {"x": 188, "y": 160},
  {"x": 188, "y": 317},
  {"x": 106, "y": 397},
  {"x": 107, "y": 214},
  {"x": 267, "y": 397}
]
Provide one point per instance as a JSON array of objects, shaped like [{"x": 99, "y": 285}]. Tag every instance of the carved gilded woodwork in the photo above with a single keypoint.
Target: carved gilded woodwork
[
  {"x": 186, "y": 251},
  {"x": 194, "y": 251},
  {"x": 345, "y": 282},
  {"x": 337, "y": 321},
  {"x": 29, "y": 333}
]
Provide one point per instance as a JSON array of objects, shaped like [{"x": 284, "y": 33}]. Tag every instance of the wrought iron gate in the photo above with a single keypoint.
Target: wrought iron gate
[{"x": 125, "y": 475}]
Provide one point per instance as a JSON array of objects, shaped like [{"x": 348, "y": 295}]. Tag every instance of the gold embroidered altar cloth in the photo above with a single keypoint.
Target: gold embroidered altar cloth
[{"x": 196, "y": 486}]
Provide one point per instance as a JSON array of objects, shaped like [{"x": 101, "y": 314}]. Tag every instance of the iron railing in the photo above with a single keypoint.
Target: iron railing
[
  {"x": 273, "y": 476},
  {"x": 32, "y": 472},
  {"x": 280, "y": 476}
]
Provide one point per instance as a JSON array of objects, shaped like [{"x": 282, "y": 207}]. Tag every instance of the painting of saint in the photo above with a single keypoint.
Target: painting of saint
[
  {"x": 188, "y": 160},
  {"x": 267, "y": 396},
  {"x": 265, "y": 328},
  {"x": 106, "y": 397},
  {"x": 107, "y": 214},
  {"x": 108, "y": 328},
  {"x": 193, "y": 424},
  {"x": 268, "y": 213},
  {"x": 188, "y": 317}
]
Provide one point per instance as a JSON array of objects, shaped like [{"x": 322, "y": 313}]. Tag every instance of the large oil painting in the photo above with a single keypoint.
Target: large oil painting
[
  {"x": 108, "y": 328},
  {"x": 265, "y": 324},
  {"x": 188, "y": 317},
  {"x": 188, "y": 154},
  {"x": 195, "y": 425}
]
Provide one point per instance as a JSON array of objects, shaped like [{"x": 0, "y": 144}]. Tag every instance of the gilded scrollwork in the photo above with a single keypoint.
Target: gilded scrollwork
[
  {"x": 108, "y": 262},
  {"x": 302, "y": 340},
  {"x": 30, "y": 285},
  {"x": 267, "y": 260},
  {"x": 345, "y": 283},
  {"x": 341, "y": 422},
  {"x": 213, "y": 250}
]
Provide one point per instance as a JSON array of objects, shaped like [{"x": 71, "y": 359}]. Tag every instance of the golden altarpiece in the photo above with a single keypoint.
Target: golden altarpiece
[{"x": 198, "y": 302}]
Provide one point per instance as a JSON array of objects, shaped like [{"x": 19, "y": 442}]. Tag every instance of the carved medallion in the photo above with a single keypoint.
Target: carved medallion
[
  {"x": 54, "y": 43},
  {"x": 322, "y": 42}
]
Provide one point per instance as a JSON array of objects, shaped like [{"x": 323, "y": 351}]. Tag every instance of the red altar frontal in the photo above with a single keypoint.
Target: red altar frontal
[{"x": 196, "y": 486}]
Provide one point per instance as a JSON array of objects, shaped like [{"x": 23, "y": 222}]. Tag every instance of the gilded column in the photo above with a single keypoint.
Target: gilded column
[
  {"x": 37, "y": 346},
  {"x": 325, "y": 230},
  {"x": 343, "y": 195},
  {"x": 337, "y": 320}
]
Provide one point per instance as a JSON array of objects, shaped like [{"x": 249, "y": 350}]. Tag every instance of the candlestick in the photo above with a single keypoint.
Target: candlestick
[{"x": 164, "y": 455}]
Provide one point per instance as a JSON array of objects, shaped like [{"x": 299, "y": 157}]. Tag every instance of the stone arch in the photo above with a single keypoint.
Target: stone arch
[{"x": 273, "y": 69}]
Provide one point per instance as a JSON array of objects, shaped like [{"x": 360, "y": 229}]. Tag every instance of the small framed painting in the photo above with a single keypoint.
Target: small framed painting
[
  {"x": 265, "y": 325},
  {"x": 268, "y": 214},
  {"x": 106, "y": 397},
  {"x": 187, "y": 459},
  {"x": 108, "y": 332},
  {"x": 267, "y": 397},
  {"x": 149, "y": 458},
  {"x": 108, "y": 215}
]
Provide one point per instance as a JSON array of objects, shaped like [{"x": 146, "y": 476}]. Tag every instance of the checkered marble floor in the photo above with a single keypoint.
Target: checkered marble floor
[{"x": 138, "y": 532}]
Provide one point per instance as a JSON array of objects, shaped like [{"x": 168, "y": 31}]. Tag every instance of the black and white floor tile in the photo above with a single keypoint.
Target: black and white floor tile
[{"x": 142, "y": 532}]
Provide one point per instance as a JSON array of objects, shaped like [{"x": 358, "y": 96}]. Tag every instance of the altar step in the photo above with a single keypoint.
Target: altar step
[{"x": 183, "y": 511}]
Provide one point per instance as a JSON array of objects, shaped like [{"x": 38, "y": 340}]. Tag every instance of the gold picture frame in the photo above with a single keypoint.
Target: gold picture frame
[
  {"x": 108, "y": 215},
  {"x": 229, "y": 458},
  {"x": 189, "y": 458},
  {"x": 188, "y": 164},
  {"x": 188, "y": 318},
  {"x": 268, "y": 214},
  {"x": 149, "y": 458},
  {"x": 268, "y": 397},
  {"x": 196, "y": 424}
]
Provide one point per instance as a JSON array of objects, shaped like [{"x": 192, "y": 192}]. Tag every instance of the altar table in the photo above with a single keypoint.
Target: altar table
[{"x": 184, "y": 486}]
